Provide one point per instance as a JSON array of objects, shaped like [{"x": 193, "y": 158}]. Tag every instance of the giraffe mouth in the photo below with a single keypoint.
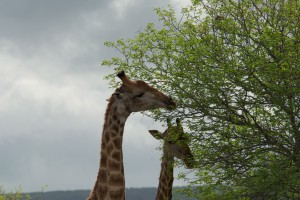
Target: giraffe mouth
[{"x": 170, "y": 104}]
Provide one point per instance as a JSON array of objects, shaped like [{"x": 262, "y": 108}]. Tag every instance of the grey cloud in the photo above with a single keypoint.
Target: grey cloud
[
  {"x": 74, "y": 29},
  {"x": 33, "y": 19}
]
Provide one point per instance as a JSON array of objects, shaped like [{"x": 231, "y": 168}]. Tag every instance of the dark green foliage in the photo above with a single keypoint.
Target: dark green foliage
[
  {"x": 61, "y": 195},
  {"x": 141, "y": 193},
  {"x": 131, "y": 194},
  {"x": 233, "y": 68}
]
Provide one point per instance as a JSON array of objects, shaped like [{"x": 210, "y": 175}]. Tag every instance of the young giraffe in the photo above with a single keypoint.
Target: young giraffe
[
  {"x": 175, "y": 145},
  {"x": 132, "y": 96}
]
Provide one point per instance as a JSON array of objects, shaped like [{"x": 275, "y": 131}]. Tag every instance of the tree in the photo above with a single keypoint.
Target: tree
[
  {"x": 18, "y": 195},
  {"x": 233, "y": 68}
]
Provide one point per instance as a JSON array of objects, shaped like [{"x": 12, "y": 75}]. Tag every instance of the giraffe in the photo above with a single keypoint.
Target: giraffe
[
  {"x": 131, "y": 96},
  {"x": 175, "y": 145}
]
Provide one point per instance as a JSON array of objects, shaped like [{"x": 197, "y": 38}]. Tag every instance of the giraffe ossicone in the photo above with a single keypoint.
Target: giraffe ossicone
[{"x": 131, "y": 96}]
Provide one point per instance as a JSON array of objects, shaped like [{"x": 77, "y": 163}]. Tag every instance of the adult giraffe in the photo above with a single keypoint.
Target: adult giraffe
[{"x": 132, "y": 96}]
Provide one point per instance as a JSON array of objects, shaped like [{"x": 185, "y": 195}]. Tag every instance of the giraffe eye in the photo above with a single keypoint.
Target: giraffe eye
[
  {"x": 140, "y": 95},
  {"x": 118, "y": 95}
]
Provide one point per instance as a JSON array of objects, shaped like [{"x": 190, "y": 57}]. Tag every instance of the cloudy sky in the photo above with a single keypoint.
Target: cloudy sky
[{"x": 52, "y": 92}]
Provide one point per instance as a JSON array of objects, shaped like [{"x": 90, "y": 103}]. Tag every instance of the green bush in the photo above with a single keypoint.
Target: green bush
[{"x": 17, "y": 195}]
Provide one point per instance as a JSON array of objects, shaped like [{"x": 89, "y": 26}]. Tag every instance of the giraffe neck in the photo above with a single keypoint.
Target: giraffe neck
[
  {"x": 164, "y": 190},
  {"x": 110, "y": 183}
]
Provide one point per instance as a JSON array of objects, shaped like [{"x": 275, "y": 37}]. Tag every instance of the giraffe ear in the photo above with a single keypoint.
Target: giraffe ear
[{"x": 156, "y": 134}]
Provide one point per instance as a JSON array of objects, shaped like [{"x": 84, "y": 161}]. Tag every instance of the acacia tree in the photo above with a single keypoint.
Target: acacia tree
[{"x": 233, "y": 68}]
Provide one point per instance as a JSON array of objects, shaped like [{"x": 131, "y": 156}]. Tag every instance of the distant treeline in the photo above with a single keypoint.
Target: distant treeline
[{"x": 131, "y": 194}]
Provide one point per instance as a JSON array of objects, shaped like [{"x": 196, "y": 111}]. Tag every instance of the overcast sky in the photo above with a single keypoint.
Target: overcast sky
[{"x": 52, "y": 92}]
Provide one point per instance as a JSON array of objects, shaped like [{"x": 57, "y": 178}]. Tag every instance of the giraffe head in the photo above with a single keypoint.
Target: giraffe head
[
  {"x": 139, "y": 96},
  {"x": 175, "y": 142}
]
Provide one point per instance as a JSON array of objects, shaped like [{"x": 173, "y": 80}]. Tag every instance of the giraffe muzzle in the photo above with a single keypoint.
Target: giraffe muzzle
[{"x": 170, "y": 104}]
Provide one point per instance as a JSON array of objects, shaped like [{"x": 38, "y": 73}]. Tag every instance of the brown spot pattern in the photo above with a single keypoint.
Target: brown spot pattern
[
  {"x": 117, "y": 143},
  {"x": 116, "y": 155},
  {"x": 103, "y": 176},
  {"x": 102, "y": 191},
  {"x": 103, "y": 161},
  {"x": 117, "y": 194},
  {"x": 116, "y": 180},
  {"x": 114, "y": 165},
  {"x": 109, "y": 148}
]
